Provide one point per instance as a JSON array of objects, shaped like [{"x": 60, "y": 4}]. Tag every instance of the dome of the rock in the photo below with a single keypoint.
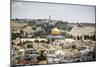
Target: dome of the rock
[{"x": 55, "y": 31}]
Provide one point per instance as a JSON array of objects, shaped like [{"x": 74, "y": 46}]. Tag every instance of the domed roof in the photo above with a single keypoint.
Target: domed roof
[{"x": 55, "y": 31}]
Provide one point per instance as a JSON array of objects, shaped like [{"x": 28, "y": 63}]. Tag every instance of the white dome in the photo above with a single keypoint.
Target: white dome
[{"x": 59, "y": 52}]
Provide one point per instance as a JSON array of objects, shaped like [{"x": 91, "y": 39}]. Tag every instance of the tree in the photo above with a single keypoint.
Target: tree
[
  {"x": 73, "y": 46},
  {"x": 43, "y": 41},
  {"x": 36, "y": 41},
  {"x": 42, "y": 57},
  {"x": 93, "y": 37},
  {"x": 15, "y": 35},
  {"x": 78, "y": 37},
  {"x": 29, "y": 46},
  {"x": 69, "y": 28}
]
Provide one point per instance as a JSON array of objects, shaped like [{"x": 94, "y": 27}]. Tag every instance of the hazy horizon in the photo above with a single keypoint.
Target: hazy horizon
[{"x": 70, "y": 13}]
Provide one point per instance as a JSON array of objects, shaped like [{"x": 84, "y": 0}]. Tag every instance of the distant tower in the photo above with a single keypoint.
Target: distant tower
[{"x": 49, "y": 17}]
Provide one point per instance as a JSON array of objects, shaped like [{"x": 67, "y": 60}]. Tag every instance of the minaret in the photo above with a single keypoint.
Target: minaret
[{"x": 49, "y": 19}]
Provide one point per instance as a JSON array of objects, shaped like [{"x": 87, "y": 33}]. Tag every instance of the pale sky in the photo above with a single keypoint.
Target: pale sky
[{"x": 64, "y": 12}]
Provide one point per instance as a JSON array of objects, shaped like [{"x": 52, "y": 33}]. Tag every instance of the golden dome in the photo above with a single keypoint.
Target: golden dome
[{"x": 55, "y": 31}]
